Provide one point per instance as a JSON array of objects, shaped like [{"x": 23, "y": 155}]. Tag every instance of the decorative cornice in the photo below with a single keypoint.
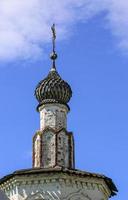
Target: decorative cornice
[
  {"x": 65, "y": 181},
  {"x": 100, "y": 181}
]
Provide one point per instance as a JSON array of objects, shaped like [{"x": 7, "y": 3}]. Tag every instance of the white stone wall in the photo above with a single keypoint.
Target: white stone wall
[
  {"x": 48, "y": 149},
  {"x": 56, "y": 187},
  {"x": 53, "y": 116},
  {"x": 63, "y": 151}
]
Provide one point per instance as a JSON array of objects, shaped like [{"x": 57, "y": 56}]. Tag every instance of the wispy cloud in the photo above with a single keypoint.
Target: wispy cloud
[{"x": 24, "y": 25}]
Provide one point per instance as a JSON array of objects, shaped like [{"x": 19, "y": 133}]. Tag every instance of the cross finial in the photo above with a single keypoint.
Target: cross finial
[
  {"x": 53, "y": 55},
  {"x": 54, "y": 36}
]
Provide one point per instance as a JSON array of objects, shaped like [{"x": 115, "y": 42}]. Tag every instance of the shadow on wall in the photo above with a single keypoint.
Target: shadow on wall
[{"x": 3, "y": 196}]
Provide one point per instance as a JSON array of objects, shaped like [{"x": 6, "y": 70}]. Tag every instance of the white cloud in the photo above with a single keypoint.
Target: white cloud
[{"x": 24, "y": 25}]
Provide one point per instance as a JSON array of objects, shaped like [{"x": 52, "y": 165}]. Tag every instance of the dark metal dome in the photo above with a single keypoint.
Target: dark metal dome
[{"x": 53, "y": 89}]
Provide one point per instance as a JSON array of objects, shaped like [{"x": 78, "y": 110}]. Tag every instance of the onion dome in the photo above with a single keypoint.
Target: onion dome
[{"x": 53, "y": 89}]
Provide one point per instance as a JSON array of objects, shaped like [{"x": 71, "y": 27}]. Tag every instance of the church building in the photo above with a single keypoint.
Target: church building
[{"x": 53, "y": 175}]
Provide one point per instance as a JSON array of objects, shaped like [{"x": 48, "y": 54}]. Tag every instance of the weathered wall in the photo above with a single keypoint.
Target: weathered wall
[{"x": 53, "y": 116}]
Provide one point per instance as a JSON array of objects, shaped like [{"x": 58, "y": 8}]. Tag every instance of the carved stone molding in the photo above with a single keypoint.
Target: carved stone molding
[
  {"x": 44, "y": 195},
  {"x": 79, "y": 195}
]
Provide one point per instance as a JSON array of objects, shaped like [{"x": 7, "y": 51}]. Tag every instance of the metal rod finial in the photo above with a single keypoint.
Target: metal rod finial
[
  {"x": 53, "y": 55},
  {"x": 54, "y": 36}
]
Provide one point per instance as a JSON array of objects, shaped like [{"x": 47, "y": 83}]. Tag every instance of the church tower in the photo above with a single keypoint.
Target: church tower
[
  {"x": 53, "y": 175},
  {"x": 53, "y": 144}
]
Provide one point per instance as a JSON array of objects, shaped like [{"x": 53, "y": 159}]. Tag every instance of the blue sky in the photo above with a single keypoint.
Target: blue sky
[{"x": 97, "y": 70}]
